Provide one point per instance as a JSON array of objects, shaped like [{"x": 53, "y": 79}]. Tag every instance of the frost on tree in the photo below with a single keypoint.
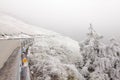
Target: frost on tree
[
  {"x": 60, "y": 58},
  {"x": 54, "y": 58},
  {"x": 101, "y": 62}
]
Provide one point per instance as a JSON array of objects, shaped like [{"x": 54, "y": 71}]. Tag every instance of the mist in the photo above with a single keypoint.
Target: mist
[{"x": 68, "y": 17}]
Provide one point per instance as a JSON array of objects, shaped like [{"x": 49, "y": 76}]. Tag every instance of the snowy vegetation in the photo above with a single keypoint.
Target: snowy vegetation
[
  {"x": 54, "y": 58},
  {"x": 60, "y": 58},
  {"x": 101, "y": 62}
]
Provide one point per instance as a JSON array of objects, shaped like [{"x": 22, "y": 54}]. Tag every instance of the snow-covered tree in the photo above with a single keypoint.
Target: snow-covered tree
[{"x": 101, "y": 62}]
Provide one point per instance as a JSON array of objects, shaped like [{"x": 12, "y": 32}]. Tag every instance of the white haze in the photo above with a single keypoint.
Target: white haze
[{"x": 69, "y": 17}]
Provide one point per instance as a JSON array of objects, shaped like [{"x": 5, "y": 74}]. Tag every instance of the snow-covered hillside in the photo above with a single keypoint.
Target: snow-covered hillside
[
  {"x": 10, "y": 25},
  {"x": 52, "y": 55},
  {"x": 56, "y": 57}
]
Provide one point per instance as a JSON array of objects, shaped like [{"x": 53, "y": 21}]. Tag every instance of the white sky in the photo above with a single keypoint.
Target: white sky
[{"x": 69, "y": 17}]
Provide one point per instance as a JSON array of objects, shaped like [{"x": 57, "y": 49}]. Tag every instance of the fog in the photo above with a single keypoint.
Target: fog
[{"x": 68, "y": 17}]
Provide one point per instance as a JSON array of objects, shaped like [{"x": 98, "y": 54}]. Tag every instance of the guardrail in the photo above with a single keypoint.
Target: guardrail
[{"x": 18, "y": 66}]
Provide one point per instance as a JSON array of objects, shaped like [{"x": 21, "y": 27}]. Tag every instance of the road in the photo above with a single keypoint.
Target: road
[
  {"x": 9, "y": 58},
  {"x": 6, "y": 49}
]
